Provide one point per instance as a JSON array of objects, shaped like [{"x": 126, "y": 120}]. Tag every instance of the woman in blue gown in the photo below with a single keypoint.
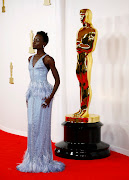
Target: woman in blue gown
[{"x": 39, "y": 96}]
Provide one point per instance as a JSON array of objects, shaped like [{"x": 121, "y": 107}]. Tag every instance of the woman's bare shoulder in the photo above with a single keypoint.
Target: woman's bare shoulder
[{"x": 48, "y": 59}]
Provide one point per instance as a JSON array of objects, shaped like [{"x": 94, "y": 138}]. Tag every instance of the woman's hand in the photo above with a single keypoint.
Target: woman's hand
[{"x": 46, "y": 102}]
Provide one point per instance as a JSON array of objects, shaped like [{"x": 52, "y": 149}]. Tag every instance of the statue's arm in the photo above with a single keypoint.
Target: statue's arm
[
  {"x": 85, "y": 43},
  {"x": 79, "y": 44}
]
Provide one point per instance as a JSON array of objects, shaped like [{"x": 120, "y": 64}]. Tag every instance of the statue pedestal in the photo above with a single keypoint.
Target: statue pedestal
[{"x": 82, "y": 139}]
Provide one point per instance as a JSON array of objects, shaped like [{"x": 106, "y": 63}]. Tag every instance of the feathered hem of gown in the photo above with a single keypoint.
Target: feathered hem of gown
[{"x": 39, "y": 165}]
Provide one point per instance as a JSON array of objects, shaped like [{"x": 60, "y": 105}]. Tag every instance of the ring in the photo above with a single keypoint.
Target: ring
[{"x": 45, "y": 103}]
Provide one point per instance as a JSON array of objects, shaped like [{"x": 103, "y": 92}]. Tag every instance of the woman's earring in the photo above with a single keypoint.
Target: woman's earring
[{"x": 43, "y": 46}]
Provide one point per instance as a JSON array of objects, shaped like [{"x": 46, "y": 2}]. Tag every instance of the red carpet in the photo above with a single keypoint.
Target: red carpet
[{"x": 115, "y": 167}]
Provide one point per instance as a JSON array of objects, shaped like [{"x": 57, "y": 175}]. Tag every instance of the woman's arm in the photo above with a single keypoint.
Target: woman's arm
[{"x": 49, "y": 62}]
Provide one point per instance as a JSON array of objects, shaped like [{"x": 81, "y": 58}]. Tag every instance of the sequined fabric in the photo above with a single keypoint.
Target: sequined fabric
[{"x": 38, "y": 156}]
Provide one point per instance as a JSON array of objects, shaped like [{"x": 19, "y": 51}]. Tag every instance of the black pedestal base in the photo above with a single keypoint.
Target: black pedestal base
[
  {"x": 82, "y": 151},
  {"x": 82, "y": 141}
]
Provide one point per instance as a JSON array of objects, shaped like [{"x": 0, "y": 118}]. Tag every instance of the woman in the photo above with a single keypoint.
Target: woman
[{"x": 38, "y": 156}]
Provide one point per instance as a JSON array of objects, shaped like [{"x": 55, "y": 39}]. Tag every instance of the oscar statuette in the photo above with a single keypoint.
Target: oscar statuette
[
  {"x": 31, "y": 50},
  {"x": 82, "y": 130},
  {"x": 11, "y": 79}
]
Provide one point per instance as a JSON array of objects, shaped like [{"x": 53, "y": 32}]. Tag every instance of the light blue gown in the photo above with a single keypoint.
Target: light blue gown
[{"x": 38, "y": 157}]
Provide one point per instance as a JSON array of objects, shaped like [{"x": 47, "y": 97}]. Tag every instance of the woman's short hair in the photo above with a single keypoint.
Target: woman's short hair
[{"x": 44, "y": 35}]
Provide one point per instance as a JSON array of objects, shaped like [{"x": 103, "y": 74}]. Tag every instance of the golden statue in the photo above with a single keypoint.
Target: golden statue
[
  {"x": 11, "y": 80},
  {"x": 47, "y": 2},
  {"x": 31, "y": 50},
  {"x": 3, "y": 7},
  {"x": 85, "y": 45}
]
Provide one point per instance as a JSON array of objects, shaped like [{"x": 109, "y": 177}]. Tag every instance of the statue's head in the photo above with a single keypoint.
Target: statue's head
[{"x": 86, "y": 16}]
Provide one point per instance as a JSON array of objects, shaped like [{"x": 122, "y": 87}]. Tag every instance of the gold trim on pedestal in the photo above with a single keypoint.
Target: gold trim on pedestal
[{"x": 92, "y": 118}]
